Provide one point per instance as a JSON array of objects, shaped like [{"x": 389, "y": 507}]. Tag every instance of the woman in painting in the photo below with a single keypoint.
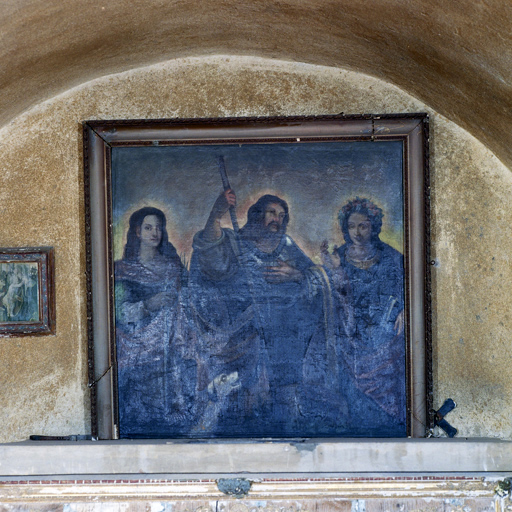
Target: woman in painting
[
  {"x": 14, "y": 298},
  {"x": 372, "y": 274},
  {"x": 150, "y": 355}
]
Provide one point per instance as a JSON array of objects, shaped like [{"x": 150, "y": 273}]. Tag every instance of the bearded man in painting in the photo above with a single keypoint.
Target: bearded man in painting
[{"x": 259, "y": 303}]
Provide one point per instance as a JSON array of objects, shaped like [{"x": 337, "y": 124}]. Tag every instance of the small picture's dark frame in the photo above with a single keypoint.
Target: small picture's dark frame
[
  {"x": 104, "y": 141},
  {"x": 27, "y": 298}
]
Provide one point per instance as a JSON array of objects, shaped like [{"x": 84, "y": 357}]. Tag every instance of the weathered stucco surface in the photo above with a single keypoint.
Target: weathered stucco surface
[
  {"x": 44, "y": 388},
  {"x": 455, "y": 56}
]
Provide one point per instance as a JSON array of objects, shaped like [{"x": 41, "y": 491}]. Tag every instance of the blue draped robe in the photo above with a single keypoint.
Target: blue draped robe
[{"x": 273, "y": 335}]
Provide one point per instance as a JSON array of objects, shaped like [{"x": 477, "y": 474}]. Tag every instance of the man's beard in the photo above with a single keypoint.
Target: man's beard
[
  {"x": 260, "y": 232},
  {"x": 267, "y": 233}
]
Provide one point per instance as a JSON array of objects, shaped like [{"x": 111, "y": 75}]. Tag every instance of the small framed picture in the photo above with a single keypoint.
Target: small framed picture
[{"x": 26, "y": 291}]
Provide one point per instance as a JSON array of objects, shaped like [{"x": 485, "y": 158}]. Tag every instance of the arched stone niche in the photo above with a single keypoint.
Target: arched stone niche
[{"x": 44, "y": 379}]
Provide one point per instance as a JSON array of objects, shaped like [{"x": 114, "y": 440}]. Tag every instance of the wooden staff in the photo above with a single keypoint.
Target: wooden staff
[
  {"x": 227, "y": 186},
  {"x": 241, "y": 262}
]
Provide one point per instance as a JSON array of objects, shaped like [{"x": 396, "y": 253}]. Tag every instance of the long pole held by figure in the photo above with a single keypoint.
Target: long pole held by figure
[
  {"x": 236, "y": 229},
  {"x": 227, "y": 186}
]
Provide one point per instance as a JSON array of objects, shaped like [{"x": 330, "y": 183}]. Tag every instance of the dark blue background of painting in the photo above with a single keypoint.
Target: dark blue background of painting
[{"x": 316, "y": 179}]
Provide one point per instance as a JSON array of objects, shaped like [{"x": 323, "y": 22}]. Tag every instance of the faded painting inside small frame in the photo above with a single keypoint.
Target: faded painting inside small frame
[{"x": 26, "y": 291}]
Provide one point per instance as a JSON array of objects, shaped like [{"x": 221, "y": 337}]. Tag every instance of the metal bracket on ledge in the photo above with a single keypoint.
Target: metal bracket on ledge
[
  {"x": 439, "y": 415},
  {"x": 503, "y": 487},
  {"x": 236, "y": 487}
]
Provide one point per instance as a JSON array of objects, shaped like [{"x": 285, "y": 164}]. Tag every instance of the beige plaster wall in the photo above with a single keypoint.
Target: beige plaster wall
[{"x": 44, "y": 379}]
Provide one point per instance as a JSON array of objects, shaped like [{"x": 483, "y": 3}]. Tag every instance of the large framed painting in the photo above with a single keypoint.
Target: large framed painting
[
  {"x": 27, "y": 300},
  {"x": 258, "y": 277}
]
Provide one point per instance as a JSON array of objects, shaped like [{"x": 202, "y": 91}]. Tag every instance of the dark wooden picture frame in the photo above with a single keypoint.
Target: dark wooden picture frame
[
  {"x": 103, "y": 141},
  {"x": 27, "y": 305}
]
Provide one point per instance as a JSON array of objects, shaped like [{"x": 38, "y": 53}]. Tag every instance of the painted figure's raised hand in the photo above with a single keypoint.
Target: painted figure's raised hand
[
  {"x": 212, "y": 230},
  {"x": 223, "y": 203},
  {"x": 329, "y": 260}
]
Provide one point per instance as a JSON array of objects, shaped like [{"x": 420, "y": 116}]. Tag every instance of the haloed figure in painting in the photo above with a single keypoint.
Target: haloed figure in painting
[
  {"x": 374, "y": 352},
  {"x": 258, "y": 302},
  {"x": 150, "y": 356}
]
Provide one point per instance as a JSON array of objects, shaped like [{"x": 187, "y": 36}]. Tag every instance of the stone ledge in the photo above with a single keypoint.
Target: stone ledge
[{"x": 302, "y": 458}]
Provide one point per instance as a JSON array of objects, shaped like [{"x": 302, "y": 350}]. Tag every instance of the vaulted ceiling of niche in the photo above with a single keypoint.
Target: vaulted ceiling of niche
[{"x": 455, "y": 56}]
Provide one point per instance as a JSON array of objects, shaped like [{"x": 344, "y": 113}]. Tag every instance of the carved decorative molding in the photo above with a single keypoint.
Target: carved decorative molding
[{"x": 204, "y": 491}]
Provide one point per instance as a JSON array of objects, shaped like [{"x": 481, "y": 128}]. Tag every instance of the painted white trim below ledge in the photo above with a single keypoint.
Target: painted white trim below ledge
[
  {"x": 206, "y": 492},
  {"x": 302, "y": 459}
]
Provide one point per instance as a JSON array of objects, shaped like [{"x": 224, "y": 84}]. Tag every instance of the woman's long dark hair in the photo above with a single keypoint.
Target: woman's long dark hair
[{"x": 132, "y": 247}]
